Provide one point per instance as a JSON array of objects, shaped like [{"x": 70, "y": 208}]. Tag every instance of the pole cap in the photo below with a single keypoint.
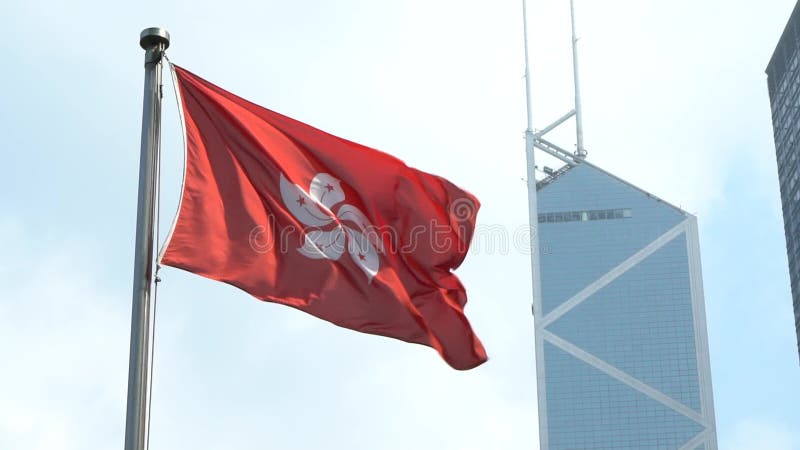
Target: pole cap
[{"x": 150, "y": 37}]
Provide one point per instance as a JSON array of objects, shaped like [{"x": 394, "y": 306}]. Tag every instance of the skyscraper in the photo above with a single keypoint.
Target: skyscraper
[
  {"x": 622, "y": 351},
  {"x": 783, "y": 81}
]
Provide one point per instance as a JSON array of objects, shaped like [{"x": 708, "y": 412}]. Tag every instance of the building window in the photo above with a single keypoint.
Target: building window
[{"x": 583, "y": 216}]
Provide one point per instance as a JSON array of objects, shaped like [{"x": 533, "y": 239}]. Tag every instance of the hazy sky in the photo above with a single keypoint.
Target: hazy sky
[{"x": 675, "y": 101}]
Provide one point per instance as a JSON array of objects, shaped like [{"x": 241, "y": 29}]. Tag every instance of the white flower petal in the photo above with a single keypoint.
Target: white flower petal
[
  {"x": 324, "y": 244},
  {"x": 352, "y": 214},
  {"x": 303, "y": 207},
  {"x": 327, "y": 189},
  {"x": 362, "y": 252}
]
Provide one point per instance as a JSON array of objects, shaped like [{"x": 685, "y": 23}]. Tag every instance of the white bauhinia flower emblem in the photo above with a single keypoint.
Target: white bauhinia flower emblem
[{"x": 352, "y": 230}]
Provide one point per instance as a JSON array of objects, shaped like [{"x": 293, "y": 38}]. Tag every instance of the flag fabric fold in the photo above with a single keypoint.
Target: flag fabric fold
[{"x": 296, "y": 216}]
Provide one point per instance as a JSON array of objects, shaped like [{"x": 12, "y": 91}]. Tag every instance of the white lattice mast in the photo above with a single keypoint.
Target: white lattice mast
[
  {"x": 533, "y": 218},
  {"x": 530, "y": 139},
  {"x": 580, "y": 151},
  {"x": 539, "y": 142},
  {"x": 534, "y": 140}
]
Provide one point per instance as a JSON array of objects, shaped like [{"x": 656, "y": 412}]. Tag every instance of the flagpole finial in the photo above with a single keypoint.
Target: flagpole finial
[{"x": 150, "y": 37}]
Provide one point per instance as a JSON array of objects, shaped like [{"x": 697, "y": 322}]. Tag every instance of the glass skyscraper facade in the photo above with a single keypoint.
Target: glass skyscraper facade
[
  {"x": 783, "y": 81},
  {"x": 621, "y": 342}
]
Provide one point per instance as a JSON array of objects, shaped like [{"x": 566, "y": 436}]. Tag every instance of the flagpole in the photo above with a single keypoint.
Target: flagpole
[{"x": 154, "y": 41}]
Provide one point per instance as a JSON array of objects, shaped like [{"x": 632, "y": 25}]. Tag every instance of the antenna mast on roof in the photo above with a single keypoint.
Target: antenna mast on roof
[
  {"x": 534, "y": 140},
  {"x": 580, "y": 152}
]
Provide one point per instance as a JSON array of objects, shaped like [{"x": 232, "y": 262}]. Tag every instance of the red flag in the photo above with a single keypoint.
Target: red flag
[{"x": 294, "y": 215}]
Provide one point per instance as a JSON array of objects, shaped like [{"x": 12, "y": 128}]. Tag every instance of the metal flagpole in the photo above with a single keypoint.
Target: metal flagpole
[{"x": 154, "y": 41}]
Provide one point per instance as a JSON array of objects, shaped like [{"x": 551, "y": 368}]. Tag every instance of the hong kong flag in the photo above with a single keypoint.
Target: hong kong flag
[{"x": 294, "y": 215}]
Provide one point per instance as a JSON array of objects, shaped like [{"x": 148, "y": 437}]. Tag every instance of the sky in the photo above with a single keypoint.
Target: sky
[{"x": 675, "y": 101}]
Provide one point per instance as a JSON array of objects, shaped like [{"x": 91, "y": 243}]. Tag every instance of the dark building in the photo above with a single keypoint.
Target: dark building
[{"x": 783, "y": 80}]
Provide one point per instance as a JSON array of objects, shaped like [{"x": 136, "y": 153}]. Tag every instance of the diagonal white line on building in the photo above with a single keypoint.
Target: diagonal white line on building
[
  {"x": 613, "y": 274},
  {"x": 699, "y": 439},
  {"x": 700, "y": 329},
  {"x": 619, "y": 375}
]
